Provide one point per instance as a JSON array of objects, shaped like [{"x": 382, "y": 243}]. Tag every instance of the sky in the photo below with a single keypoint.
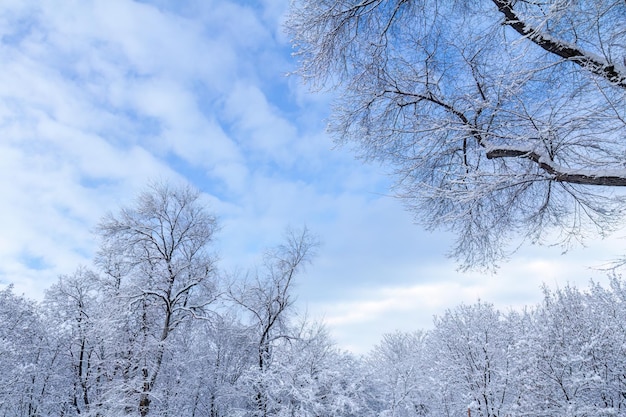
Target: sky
[{"x": 99, "y": 97}]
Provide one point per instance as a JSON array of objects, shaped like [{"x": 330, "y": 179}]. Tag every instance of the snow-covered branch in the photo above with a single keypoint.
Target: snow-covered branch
[
  {"x": 613, "y": 72},
  {"x": 615, "y": 178}
]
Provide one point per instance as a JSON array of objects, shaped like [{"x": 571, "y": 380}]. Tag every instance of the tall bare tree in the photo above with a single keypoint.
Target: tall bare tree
[
  {"x": 499, "y": 118},
  {"x": 267, "y": 299},
  {"x": 157, "y": 259}
]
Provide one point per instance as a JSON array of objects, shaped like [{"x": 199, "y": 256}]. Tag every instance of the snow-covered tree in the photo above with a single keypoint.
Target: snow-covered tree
[
  {"x": 310, "y": 377},
  {"x": 160, "y": 271},
  {"x": 473, "y": 367},
  {"x": 210, "y": 360},
  {"x": 72, "y": 315},
  {"x": 399, "y": 368},
  {"x": 28, "y": 356},
  {"x": 500, "y": 118},
  {"x": 574, "y": 361},
  {"x": 267, "y": 302}
]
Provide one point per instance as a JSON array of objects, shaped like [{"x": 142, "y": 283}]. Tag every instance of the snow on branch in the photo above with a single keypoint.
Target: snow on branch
[
  {"x": 614, "y": 73},
  {"x": 615, "y": 178}
]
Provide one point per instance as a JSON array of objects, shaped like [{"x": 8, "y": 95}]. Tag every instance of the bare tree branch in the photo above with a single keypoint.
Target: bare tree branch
[{"x": 614, "y": 73}]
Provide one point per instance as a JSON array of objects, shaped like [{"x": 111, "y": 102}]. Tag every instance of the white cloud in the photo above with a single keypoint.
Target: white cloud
[
  {"x": 257, "y": 125},
  {"x": 359, "y": 318},
  {"x": 94, "y": 100}
]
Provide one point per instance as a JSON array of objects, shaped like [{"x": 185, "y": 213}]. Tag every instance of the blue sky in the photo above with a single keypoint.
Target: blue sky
[{"x": 99, "y": 97}]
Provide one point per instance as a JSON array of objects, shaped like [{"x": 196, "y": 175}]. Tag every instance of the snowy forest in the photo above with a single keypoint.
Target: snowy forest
[
  {"x": 501, "y": 121},
  {"x": 156, "y": 329}
]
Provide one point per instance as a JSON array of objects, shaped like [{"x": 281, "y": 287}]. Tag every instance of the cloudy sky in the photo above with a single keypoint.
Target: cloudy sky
[{"x": 98, "y": 97}]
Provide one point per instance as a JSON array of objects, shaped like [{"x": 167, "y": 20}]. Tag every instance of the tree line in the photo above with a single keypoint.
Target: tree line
[{"x": 155, "y": 329}]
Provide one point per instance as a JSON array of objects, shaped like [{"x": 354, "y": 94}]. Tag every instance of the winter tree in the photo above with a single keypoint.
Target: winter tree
[
  {"x": 71, "y": 308},
  {"x": 29, "y": 356},
  {"x": 158, "y": 266},
  {"x": 267, "y": 299},
  {"x": 499, "y": 118},
  {"x": 398, "y": 366},
  {"x": 207, "y": 368},
  {"x": 573, "y": 364},
  {"x": 473, "y": 367},
  {"x": 310, "y": 377}
]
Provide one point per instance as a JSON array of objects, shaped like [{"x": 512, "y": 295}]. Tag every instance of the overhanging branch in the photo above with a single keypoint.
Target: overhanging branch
[
  {"x": 594, "y": 63},
  {"x": 561, "y": 174}
]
